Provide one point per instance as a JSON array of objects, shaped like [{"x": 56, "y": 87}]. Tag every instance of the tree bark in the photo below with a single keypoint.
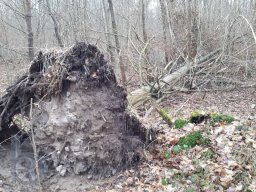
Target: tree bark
[
  {"x": 193, "y": 33},
  {"x": 143, "y": 19},
  {"x": 107, "y": 30},
  {"x": 56, "y": 27},
  {"x": 145, "y": 41},
  {"x": 165, "y": 27},
  {"x": 114, "y": 27},
  {"x": 28, "y": 19}
]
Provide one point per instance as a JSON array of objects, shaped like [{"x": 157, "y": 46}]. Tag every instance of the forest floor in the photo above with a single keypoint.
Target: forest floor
[{"x": 225, "y": 163}]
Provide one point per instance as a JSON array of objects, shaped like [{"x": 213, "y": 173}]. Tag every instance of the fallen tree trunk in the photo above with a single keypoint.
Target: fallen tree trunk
[{"x": 139, "y": 96}]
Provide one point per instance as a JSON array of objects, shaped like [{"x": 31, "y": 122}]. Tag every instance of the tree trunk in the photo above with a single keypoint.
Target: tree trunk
[
  {"x": 145, "y": 41},
  {"x": 169, "y": 7},
  {"x": 193, "y": 33},
  {"x": 107, "y": 30},
  {"x": 165, "y": 27},
  {"x": 114, "y": 27},
  {"x": 28, "y": 16},
  {"x": 56, "y": 27},
  {"x": 143, "y": 20}
]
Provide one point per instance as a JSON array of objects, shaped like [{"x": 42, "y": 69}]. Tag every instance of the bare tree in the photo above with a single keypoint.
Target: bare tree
[
  {"x": 143, "y": 19},
  {"x": 28, "y": 16},
  {"x": 165, "y": 29},
  {"x": 193, "y": 33},
  {"x": 118, "y": 48},
  {"x": 107, "y": 31},
  {"x": 56, "y": 27}
]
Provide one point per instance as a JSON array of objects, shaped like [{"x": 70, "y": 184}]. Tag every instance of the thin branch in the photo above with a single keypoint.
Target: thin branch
[{"x": 253, "y": 33}]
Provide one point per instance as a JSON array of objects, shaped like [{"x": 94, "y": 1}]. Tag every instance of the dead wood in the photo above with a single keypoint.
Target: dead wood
[{"x": 139, "y": 96}]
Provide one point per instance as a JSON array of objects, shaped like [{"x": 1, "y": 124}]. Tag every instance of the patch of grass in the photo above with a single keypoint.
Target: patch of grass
[
  {"x": 179, "y": 123},
  {"x": 165, "y": 115},
  {"x": 220, "y": 118}
]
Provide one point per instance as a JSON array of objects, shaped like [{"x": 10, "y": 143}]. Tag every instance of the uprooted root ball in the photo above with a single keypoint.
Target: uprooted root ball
[{"x": 80, "y": 116}]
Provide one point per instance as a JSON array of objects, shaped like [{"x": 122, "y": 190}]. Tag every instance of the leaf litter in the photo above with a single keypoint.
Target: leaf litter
[{"x": 226, "y": 163}]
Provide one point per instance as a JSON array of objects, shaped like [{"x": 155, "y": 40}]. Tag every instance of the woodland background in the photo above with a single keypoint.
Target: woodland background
[
  {"x": 143, "y": 39},
  {"x": 181, "y": 56}
]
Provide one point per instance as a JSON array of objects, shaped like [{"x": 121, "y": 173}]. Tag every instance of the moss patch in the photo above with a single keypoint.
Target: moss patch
[
  {"x": 179, "y": 123},
  {"x": 190, "y": 140},
  {"x": 197, "y": 117},
  {"x": 166, "y": 117},
  {"x": 220, "y": 118},
  {"x": 193, "y": 139}
]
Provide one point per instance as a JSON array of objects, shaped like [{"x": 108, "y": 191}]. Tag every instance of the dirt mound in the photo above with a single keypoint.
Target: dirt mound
[{"x": 79, "y": 113}]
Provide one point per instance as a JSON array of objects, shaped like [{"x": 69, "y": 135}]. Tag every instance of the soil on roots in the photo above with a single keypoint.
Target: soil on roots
[{"x": 78, "y": 114}]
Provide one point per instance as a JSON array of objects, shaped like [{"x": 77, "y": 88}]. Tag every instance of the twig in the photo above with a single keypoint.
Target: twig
[
  {"x": 253, "y": 33},
  {"x": 34, "y": 148}
]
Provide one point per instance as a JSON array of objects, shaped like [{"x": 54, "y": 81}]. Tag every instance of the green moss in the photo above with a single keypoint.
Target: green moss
[
  {"x": 197, "y": 116},
  {"x": 196, "y": 113},
  {"x": 166, "y": 117},
  {"x": 218, "y": 118},
  {"x": 179, "y": 123},
  {"x": 190, "y": 140}
]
